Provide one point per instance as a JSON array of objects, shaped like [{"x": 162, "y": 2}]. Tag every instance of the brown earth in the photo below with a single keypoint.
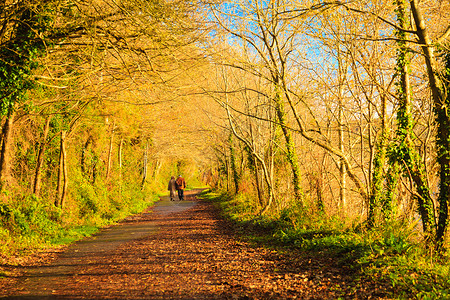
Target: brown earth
[{"x": 181, "y": 250}]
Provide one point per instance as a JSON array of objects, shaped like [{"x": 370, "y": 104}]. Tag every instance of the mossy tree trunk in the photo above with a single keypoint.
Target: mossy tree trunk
[
  {"x": 384, "y": 183},
  {"x": 291, "y": 154},
  {"x": 405, "y": 153},
  {"x": 376, "y": 193},
  {"x": 439, "y": 92},
  {"x": 443, "y": 143}
]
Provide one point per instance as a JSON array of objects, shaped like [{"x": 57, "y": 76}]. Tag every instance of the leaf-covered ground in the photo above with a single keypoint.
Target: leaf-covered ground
[{"x": 190, "y": 253}]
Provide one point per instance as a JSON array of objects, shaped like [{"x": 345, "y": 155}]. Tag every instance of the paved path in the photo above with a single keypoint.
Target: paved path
[
  {"x": 44, "y": 281},
  {"x": 182, "y": 250}
]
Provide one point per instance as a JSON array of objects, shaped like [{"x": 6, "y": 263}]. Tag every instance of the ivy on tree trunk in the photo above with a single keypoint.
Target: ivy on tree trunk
[
  {"x": 290, "y": 145},
  {"x": 404, "y": 152},
  {"x": 443, "y": 148}
]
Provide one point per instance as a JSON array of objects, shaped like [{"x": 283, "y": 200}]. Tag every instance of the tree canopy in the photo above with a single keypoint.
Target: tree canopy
[{"x": 331, "y": 108}]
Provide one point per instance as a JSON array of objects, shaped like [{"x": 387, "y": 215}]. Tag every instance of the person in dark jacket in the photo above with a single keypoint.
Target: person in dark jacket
[
  {"x": 172, "y": 188},
  {"x": 181, "y": 185}
]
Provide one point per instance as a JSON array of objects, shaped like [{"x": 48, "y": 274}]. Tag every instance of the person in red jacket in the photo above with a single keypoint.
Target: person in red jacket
[{"x": 181, "y": 185}]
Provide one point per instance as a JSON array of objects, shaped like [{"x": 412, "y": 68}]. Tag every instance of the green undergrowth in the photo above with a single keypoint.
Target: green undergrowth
[
  {"x": 389, "y": 255},
  {"x": 29, "y": 224}
]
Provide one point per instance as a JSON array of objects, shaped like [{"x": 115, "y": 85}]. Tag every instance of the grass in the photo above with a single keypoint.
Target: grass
[
  {"x": 392, "y": 255},
  {"x": 74, "y": 234},
  {"x": 33, "y": 224}
]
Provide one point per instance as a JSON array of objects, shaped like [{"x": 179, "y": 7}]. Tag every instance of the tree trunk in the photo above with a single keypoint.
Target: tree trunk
[
  {"x": 5, "y": 156},
  {"x": 442, "y": 118},
  {"x": 158, "y": 166},
  {"x": 65, "y": 174},
  {"x": 119, "y": 155},
  {"x": 61, "y": 189},
  {"x": 83, "y": 154},
  {"x": 145, "y": 165},
  {"x": 376, "y": 192},
  {"x": 255, "y": 166},
  {"x": 342, "y": 168},
  {"x": 443, "y": 143},
  {"x": 407, "y": 156},
  {"x": 110, "y": 150},
  {"x": 266, "y": 171},
  {"x": 94, "y": 169},
  {"x": 40, "y": 159},
  {"x": 234, "y": 171},
  {"x": 258, "y": 182},
  {"x": 392, "y": 174},
  {"x": 291, "y": 152}
]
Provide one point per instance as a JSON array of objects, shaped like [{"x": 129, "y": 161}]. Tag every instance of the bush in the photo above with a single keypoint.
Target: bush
[
  {"x": 29, "y": 223},
  {"x": 390, "y": 253}
]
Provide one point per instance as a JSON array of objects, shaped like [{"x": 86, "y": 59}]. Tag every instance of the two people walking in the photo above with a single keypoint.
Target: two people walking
[{"x": 177, "y": 185}]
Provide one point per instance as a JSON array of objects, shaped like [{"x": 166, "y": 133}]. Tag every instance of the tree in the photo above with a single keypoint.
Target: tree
[
  {"x": 443, "y": 154},
  {"x": 96, "y": 59},
  {"x": 405, "y": 152},
  {"x": 276, "y": 33},
  {"x": 23, "y": 37},
  {"x": 408, "y": 158},
  {"x": 271, "y": 49}
]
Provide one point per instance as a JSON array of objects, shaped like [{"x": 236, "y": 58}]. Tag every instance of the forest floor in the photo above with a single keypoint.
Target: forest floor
[{"x": 182, "y": 250}]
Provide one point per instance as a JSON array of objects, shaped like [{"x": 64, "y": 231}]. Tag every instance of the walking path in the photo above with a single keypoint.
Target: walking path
[{"x": 176, "y": 250}]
